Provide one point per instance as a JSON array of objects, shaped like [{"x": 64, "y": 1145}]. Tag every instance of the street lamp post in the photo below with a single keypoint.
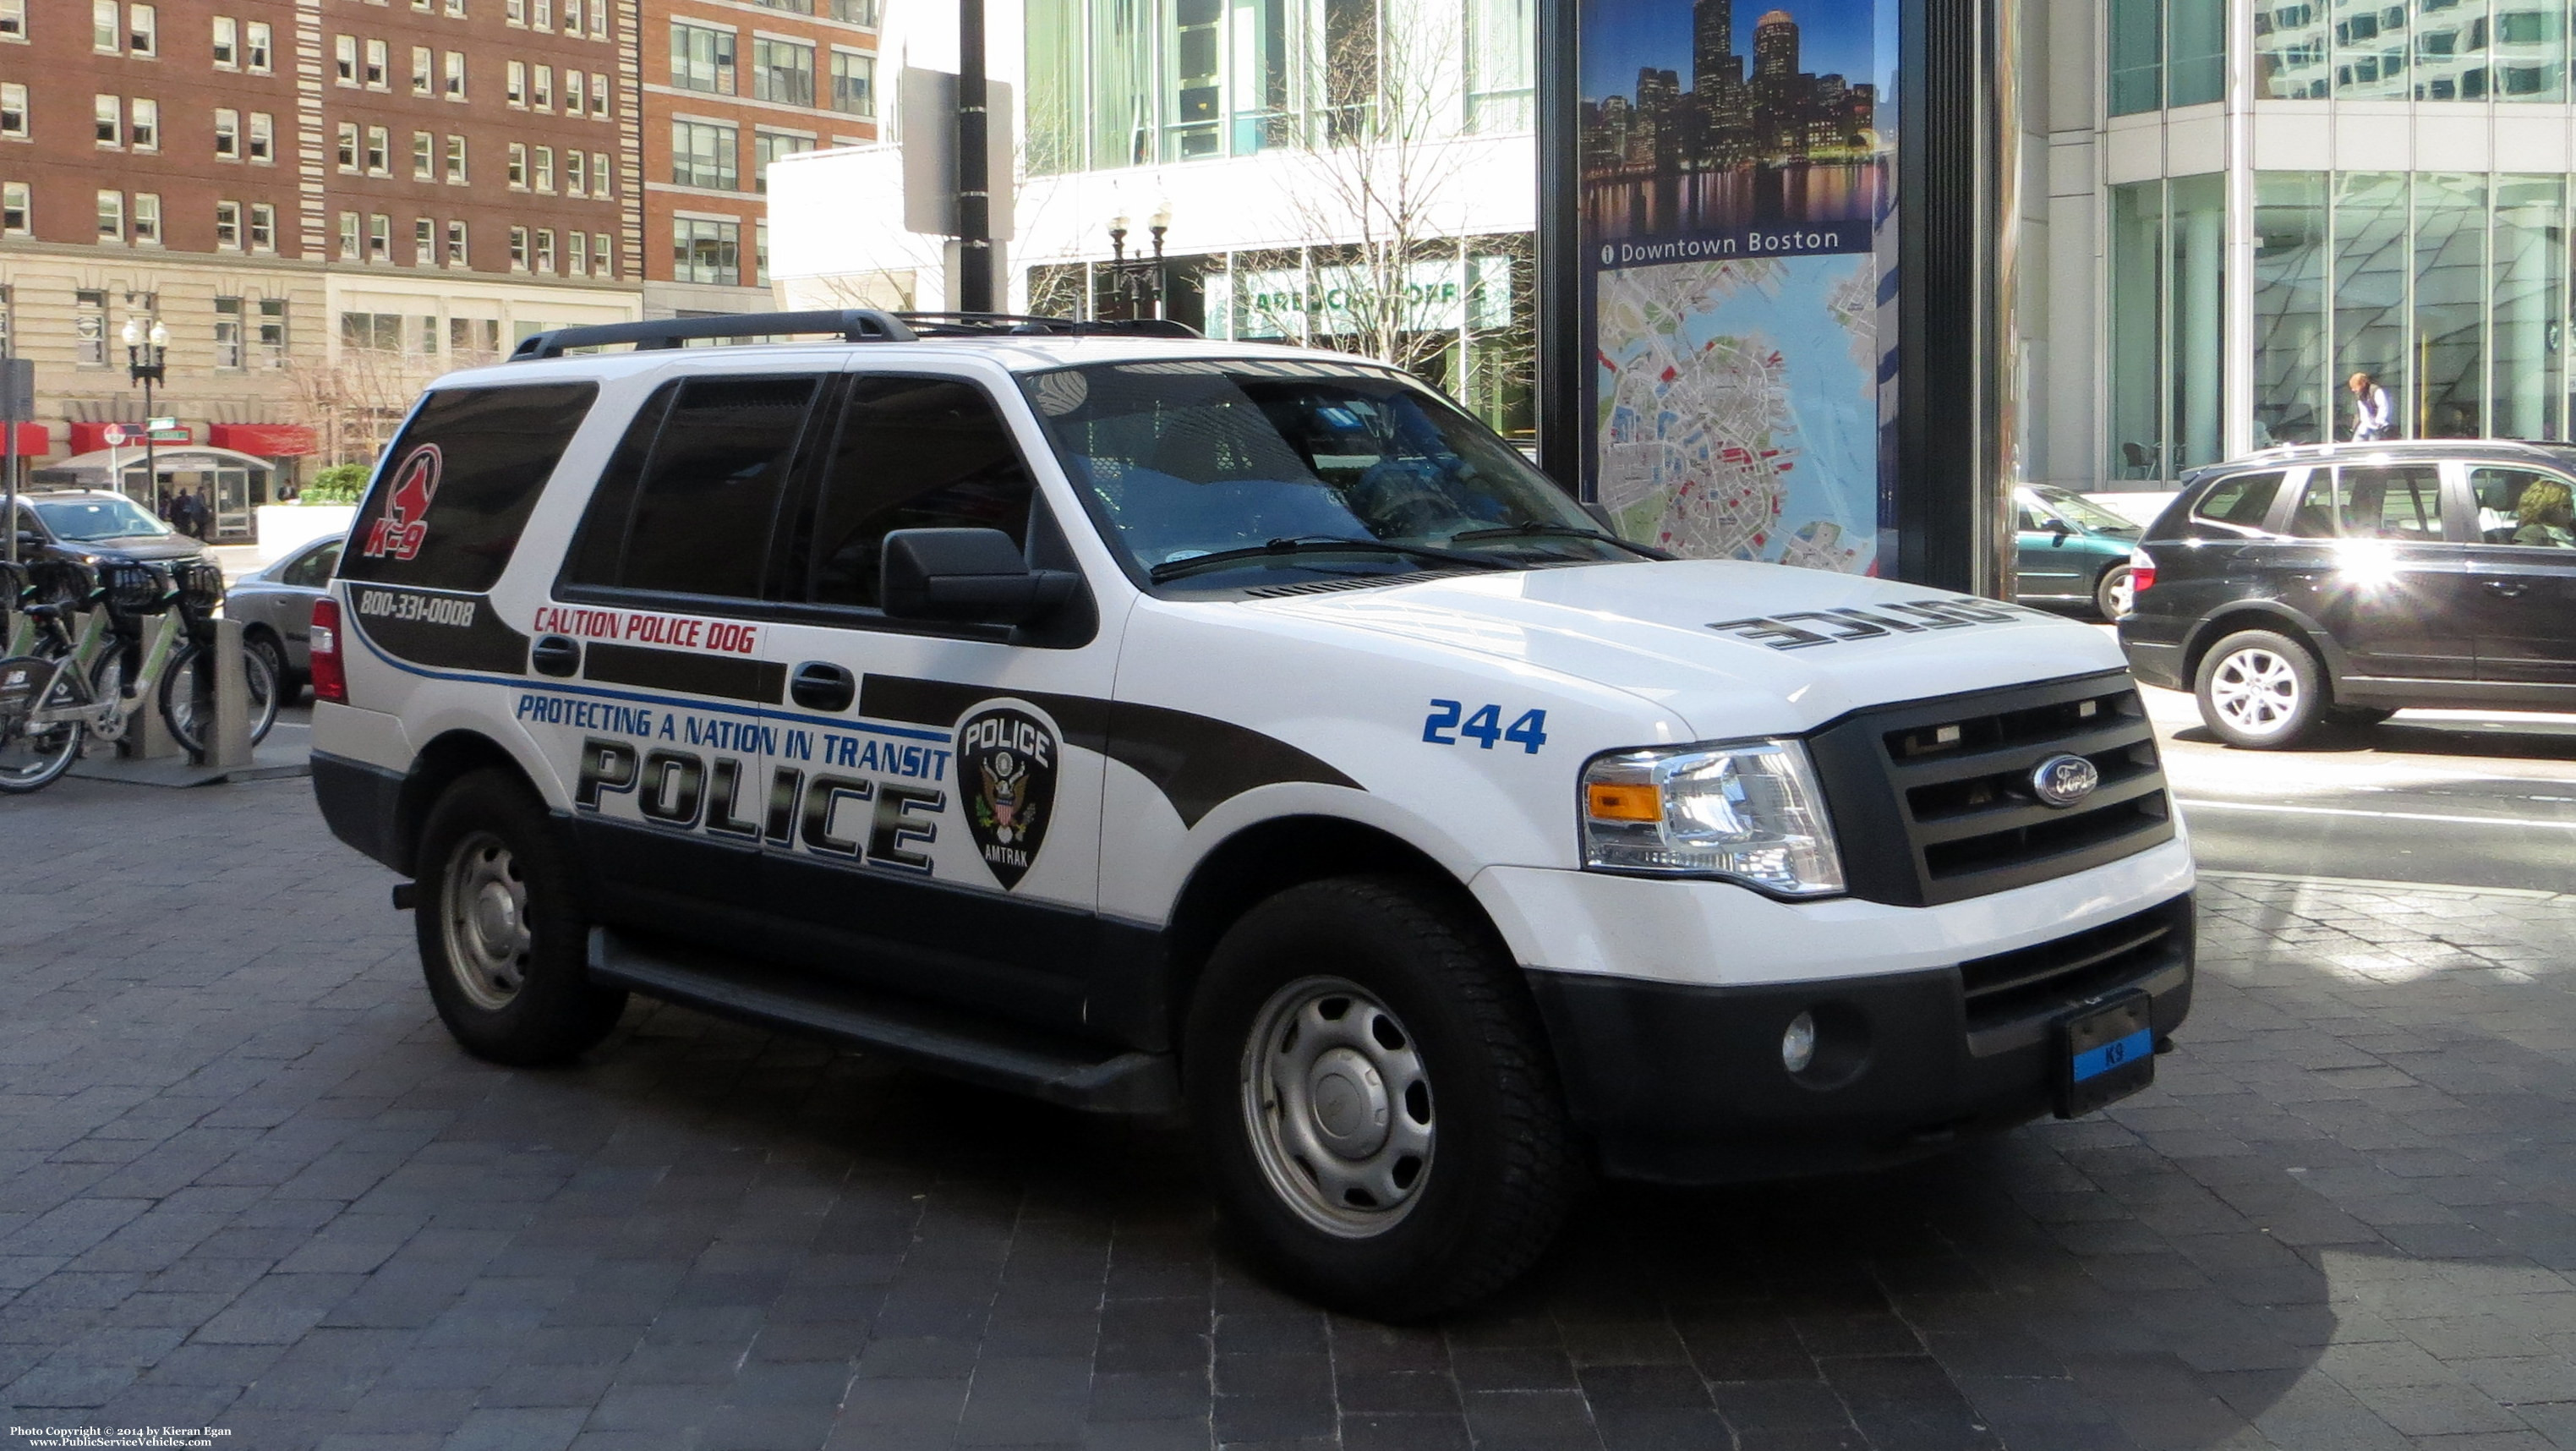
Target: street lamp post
[
  {"x": 1139, "y": 279},
  {"x": 145, "y": 348}
]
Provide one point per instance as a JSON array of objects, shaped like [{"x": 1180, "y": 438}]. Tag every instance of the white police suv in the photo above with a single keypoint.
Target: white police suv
[{"x": 1161, "y": 726}]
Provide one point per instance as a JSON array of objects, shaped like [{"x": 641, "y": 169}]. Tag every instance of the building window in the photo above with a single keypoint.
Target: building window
[
  {"x": 544, "y": 17},
  {"x": 377, "y": 66},
  {"x": 263, "y": 227},
  {"x": 782, "y": 71},
  {"x": 545, "y": 261},
  {"x": 515, "y": 12},
  {"x": 104, "y": 31},
  {"x": 600, "y": 266},
  {"x": 13, "y": 111},
  {"x": 13, "y": 19},
  {"x": 599, "y": 95},
  {"x": 518, "y": 249},
  {"x": 379, "y": 151},
  {"x": 424, "y": 71},
  {"x": 599, "y": 19},
  {"x": 228, "y": 226},
  {"x": 424, "y": 243},
  {"x": 263, "y": 139},
  {"x": 703, "y": 155},
  {"x": 2168, "y": 341},
  {"x": 855, "y": 12},
  {"x": 145, "y": 128},
  {"x": 702, "y": 58},
  {"x": 543, "y": 89},
  {"x": 518, "y": 168},
  {"x": 576, "y": 174},
  {"x": 456, "y": 161},
  {"x": 760, "y": 252},
  {"x": 577, "y": 253},
  {"x": 514, "y": 83},
  {"x": 599, "y": 179},
  {"x": 709, "y": 251},
  {"x": 17, "y": 208},
  {"x": 424, "y": 156},
  {"x": 455, "y": 75},
  {"x": 545, "y": 180},
  {"x": 456, "y": 9},
  {"x": 228, "y": 333},
  {"x": 227, "y": 134},
  {"x": 380, "y": 238},
  {"x": 89, "y": 329},
  {"x": 110, "y": 114},
  {"x": 142, "y": 30},
  {"x": 349, "y": 146},
  {"x": 372, "y": 332},
  {"x": 572, "y": 91},
  {"x": 272, "y": 332},
  {"x": 147, "y": 217},
  {"x": 344, "y": 57},
  {"x": 456, "y": 244},
  {"x": 767, "y": 146},
  {"x": 111, "y": 216},
  {"x": 348, "y": 236},
  {"x": 255, "y": 47},
  {"x": 227, "y": 43},
  {"x": 854, "y": 83}
]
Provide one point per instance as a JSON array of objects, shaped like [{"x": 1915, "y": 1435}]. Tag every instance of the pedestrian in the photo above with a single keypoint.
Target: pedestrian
[{"x": 2370, "y": 411}]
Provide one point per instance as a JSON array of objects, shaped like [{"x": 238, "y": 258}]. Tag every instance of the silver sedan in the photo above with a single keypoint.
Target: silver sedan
[{"x": 275, "y": 606}]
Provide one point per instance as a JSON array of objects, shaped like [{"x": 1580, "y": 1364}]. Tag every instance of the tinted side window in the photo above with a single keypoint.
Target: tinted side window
[
  {"x": 2026, "y": 521},
  {"x": 456, "y": 487},
  {"x": 2244, "y": 501},
  {"x": 2525, "y": 507},
  {"x": 914, "y": 453},
  {"x": 313, "y": 570},
  {"x": 2402, "y": 503},
  {"x": 689, "y": 501}
]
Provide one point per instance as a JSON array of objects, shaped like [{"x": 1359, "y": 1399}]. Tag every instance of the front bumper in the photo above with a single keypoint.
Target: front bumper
[{"x": 1683, "y": 1083}]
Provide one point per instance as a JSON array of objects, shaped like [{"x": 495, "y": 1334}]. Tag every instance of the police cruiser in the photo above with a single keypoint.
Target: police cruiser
[{"x": 1241, "y": 734}]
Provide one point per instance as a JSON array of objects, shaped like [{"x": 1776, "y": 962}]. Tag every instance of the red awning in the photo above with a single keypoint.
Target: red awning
[
  {"x": 268, "y": 440},
  {"x": 91, "y": 437},
  {"x": 27, "y": 440}
]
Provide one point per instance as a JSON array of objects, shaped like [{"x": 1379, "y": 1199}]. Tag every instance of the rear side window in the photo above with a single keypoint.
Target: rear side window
[
  {"x": 2402, "y": 502},
  {"x": 688, "y": 503},
  {"x": 914, "y": 453},
  {"x": 2244, "y": 501},
  {"x": 448, "y": 504},
  {"x": 2525, "y": 507}
]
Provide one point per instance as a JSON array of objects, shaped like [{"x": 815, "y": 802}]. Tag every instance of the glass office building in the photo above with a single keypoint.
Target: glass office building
[{"x": 2282, "y": 194}]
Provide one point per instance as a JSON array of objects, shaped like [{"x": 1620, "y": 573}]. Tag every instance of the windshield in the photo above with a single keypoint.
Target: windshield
[
  {"x": 82, "y": 521},
  {"x": 2083, "y": 513},
  {"x": 1187, "y": 460}
]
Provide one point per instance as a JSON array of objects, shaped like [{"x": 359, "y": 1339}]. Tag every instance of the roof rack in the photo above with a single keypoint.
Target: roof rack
[
  {"x": 854, "y": 324},
  {"x": 987, "y": 324}
]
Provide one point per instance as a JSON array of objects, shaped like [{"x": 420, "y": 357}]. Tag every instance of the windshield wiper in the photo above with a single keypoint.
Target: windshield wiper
[
  {"x": 1171, "y": 569},
  {"x": 1535, "y": 530}
]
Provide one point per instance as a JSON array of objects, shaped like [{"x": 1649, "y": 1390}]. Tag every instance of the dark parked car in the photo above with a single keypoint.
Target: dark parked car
[
  {"x": 95, "y": 526},
  {"x": 2073, "y": 551},
  {"x": 2338, "y": 583},
  {"x": 275, "y": 606}
]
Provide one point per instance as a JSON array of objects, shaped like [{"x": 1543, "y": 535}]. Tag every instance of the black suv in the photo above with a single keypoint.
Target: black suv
[{"x": 2342, "y": 582}]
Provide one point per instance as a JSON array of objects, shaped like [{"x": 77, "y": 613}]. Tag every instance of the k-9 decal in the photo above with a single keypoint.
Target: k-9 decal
[
  {"x": 1006, "y": 764},
  {"x": 399, "y": 532},
  {"x": 1840, "y": 626}
]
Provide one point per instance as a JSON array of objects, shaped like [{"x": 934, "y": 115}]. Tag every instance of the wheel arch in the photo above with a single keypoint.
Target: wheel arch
[
  {"x": 2262, "y": 615},
  {"x": 440, "y": 764}
]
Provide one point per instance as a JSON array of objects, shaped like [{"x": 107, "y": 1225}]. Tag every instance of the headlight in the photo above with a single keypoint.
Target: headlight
[{"x": 1750, "y": 812}]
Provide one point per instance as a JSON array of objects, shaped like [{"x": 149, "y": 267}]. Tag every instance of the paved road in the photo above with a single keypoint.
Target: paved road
[{"x": 245, "y": 1181}]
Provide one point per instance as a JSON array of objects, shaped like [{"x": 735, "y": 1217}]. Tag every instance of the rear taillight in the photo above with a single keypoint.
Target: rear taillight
[
  {"x": 330, "y": 682},
  {"x": 2142, "y": 572}
]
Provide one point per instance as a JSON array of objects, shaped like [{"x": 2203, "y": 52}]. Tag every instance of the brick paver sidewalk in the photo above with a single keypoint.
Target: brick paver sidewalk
[{"x": 247, "y": 1182}]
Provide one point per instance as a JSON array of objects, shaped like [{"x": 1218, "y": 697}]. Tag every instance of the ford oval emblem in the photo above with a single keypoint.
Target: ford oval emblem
[{"x": 2064, "y": 780}]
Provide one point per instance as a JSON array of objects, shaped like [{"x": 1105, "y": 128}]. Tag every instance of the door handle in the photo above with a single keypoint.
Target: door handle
[
  {"x": 556, "y": 655},
  {"x": 819, "y": 685},
  {"x": 2511, "y": 589}
]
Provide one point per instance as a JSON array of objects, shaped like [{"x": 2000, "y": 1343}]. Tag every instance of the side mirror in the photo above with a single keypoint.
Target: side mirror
[{"x": 968, "y": 576}]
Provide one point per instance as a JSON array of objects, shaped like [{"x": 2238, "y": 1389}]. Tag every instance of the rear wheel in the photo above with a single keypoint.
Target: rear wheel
[
  {"x": 188, "y": 695},
  {"x": 1374, "y": 1099},
  {"x": 35, "y": 752},
  {"x": 502, "y": 941},
  {"x": 2115, "y": 593},
  {"x": 2260, "y": 689},
  {"x": 265, "y": 646}
]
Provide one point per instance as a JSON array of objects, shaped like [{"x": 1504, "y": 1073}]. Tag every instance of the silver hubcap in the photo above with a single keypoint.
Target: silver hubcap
[
  {"x": 2256, "y": 691},
  {"x": 1338, "y": 1107},
  {"x": 2124, "y": 596},
  {"x": 486, "y": 909}
]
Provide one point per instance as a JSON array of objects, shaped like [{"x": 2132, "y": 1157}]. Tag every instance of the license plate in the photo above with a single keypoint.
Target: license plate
[{"x": 2109, "y": 1052}]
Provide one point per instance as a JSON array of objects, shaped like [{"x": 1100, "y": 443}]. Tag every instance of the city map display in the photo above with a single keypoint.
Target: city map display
[{"x": 1731, "y": 214}]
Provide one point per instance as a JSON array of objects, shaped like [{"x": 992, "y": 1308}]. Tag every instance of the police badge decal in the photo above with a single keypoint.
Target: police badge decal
[{"x": 1006, "y": 761}]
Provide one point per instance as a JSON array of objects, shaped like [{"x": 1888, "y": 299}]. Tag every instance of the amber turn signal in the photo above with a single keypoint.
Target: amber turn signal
[{"x": 1609, "y": 801}]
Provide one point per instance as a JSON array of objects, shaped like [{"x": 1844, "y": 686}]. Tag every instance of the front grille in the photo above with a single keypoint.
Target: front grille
[
  {"x": 1934, "y": 801},
  {"x": 2048, "y": 976}
]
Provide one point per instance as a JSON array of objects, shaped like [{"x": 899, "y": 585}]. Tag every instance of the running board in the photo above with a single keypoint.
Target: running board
[{"x": 1017, "y": 1060}]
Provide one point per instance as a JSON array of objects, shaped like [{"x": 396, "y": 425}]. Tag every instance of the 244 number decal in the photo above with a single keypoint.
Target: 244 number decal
[{"x": 1485, "y": 727}]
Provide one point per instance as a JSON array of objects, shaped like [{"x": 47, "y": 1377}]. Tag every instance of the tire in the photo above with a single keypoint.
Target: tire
[
  {"x": 265, "y": 646},
  {"x": 502, "y": 941},
  {"x": 2112, "y": 595},
  {"x": 1441, "y": 1062},
  {"x": 2358, "y": 717},
  {"x": 107, "y": 682},
  {"x": 188, "y": 695},
  {"x": 34, "y": 757},
  {"x": 2260, "y": 690}
]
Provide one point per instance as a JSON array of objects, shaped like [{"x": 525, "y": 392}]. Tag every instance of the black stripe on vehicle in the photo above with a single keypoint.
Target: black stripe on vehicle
[
  {"x": 436, "y": 628},
  {"x": 1196, "y": 761},
  {"x": 726, "y": 677}
]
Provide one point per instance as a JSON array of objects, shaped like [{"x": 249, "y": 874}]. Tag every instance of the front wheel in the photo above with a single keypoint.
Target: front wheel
[
  {"x": 1375, "y": 1101},
  {"x": 2116, "y": 593},
  {"x": 188, "y": 696},
  {"x": 42, "y": 722},
  {"x": 2260, "y": 690}
]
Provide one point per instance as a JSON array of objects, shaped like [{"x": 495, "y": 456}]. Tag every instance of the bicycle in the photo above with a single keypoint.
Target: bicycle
[{"x": 158, "y": 617}]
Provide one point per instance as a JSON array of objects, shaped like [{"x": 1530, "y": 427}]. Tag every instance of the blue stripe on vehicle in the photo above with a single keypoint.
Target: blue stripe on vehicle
[
  {"x": 2094, "y": 1062},
  {"x": 518, "y": 682}
]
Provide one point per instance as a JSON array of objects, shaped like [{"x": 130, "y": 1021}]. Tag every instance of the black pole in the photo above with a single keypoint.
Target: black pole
[
  {"x": 151, "y": 475},
  {"x": 1562, "y": 353},
  {"x": 974, "y": 180}
]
